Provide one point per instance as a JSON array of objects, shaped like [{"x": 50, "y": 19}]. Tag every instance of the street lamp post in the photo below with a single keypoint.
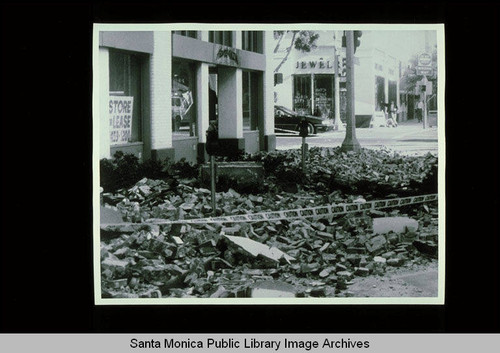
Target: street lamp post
[{"x": 350, "y": 143}]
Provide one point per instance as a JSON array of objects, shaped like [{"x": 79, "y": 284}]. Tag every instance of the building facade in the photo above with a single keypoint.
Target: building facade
[
  {"x": 308, "y": 79},
  {"x": 158, "y": 91}
]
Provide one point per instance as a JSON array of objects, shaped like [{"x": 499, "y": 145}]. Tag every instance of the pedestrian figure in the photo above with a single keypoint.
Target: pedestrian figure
[
  {"x": 393, "y": 111},
  {"x": 420, "y": 109},
  {"x": 404, "y": 112}
]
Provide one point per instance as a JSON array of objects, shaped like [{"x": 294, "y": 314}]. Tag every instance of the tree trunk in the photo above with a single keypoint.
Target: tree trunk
[{"x": 289, "y": 49}]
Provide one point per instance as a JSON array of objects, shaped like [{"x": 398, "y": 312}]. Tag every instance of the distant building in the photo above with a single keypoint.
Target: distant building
[
  {"x": 308, "y": 78},
  {"x": 159, "y": 89}
]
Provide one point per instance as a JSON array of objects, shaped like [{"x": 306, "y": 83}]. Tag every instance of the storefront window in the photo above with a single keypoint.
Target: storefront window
[
  {"x": 183, "y": 108},
  {"x": 250, "y": 101},
  {"x": 302, "y": 94},
  {"x": 323, "y": 95},
  {"x": 221, "y": 37},
  {"x": 125, "y": 98}
]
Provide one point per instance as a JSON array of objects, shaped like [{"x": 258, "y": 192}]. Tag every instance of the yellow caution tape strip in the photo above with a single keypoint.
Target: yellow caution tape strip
[{"x": 310, "y": 212}]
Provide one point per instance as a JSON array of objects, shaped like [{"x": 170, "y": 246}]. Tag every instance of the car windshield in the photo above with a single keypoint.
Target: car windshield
[{"x": 286, "y": 110}]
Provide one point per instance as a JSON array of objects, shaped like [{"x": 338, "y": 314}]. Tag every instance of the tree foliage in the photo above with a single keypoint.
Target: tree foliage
[
  {"x": 410, "y": 78},
  {"x": 305, "y": 41}
]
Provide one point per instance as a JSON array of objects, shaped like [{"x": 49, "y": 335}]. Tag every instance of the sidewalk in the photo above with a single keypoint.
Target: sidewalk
[
  {"x": 405, "y": 131},
  {"x": 412, "y": 130}
]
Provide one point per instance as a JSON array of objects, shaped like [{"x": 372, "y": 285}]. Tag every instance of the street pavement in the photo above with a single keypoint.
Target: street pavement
[{"x": 409, "y": 138}]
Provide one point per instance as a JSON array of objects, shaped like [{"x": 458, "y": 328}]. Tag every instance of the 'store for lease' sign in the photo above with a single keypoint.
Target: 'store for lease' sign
[{"x": 120, "y": 119}]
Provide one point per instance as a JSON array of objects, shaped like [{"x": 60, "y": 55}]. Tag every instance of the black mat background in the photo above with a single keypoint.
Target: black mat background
[{"x": 46, "y": 240}]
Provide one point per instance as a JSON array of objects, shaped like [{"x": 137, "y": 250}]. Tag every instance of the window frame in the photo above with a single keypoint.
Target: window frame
[{"x": 139, "y": 98}]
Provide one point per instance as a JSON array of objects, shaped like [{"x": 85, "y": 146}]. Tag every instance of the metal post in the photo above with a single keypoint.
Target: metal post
[
  {"x": 350, "y": 143},
  {"x": 425, "y": 110},
  {"x": 212, "y": 184},
  {"x": 304, "y": 152},
  {"x": 337, "y": 121}
]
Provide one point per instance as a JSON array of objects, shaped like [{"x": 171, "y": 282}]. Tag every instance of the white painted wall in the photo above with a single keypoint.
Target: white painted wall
[
  {"x": 230, "y": 102},
  {"x": 102, "y": 100},
  {"x": 364, "y": 81},
  {"x": 202, "y": 101},
  {"x": 269, "y": 84},
  {"x": 161, "y": 91}
]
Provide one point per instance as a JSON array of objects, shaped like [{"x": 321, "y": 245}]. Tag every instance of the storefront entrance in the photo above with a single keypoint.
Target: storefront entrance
[
  {"x": 393, "y": 92},
  {"x": 323, "y": 95},
  {"x": 379, "y": 93},
  {"x": 184, "y": 112},
  {"x": 315, "y": 95}
]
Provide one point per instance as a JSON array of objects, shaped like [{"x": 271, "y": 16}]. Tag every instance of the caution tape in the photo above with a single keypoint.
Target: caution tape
[{"x": 310, "y": 212}]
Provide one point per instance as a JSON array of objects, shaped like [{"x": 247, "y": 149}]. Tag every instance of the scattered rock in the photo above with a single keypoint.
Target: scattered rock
[
  {"x": 376, "y": 244},
  {"x": 315, "y": 257},
  {"x": 362, "y": 271},
  {"x": 395, "y": 261},
  {"x": 426, "y": 248},
  {"x": 272, "y": 289}
]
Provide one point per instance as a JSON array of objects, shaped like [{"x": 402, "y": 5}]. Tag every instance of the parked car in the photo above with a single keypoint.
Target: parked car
[{"x": 288, "y": 119}]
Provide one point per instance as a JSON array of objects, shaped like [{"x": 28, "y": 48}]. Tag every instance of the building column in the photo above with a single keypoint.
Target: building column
[
  {"x": 386, "y": 81},
  {"x": 237, "y": 40},
  {"x": 102, "y": 96},
  {"x": 202, "y": 109},
  {"x": 267, "y": 136},
  {"x": 230, "y": 96},
  {"x": 161, "y": 93},
  {"x": 398, "y": 99},
  {"x": 202, "y": 35}
]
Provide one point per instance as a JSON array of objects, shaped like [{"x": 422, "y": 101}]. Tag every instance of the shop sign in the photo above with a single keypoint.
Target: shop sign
[
  {"x": 319, "y": 65},
  {"x": 424, "y": 70},
  {"x": 314, "y": 64},
  {"x": 423, "y": 86},
  {"x": 120, "y": 119},
  {"x": 224, "y": 55},
  {"x": 424, "y": 59}
]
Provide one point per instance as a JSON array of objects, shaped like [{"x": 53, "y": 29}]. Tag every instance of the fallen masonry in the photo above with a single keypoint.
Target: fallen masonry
[{"x": 285, "y": 258}]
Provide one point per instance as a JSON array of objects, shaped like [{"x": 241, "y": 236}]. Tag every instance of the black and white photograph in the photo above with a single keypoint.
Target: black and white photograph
[
  {"x": 252, "y": 164},
  {"x": 263, "y": 176}
]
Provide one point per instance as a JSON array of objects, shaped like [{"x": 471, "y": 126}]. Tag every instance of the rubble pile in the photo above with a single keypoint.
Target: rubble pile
[
  {"x": 368, "y": 172},
  {"x": 316, "y": 257}
]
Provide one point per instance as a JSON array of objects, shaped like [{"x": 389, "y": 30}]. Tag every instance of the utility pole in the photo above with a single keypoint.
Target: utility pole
[
  {"x": 350, "y": 142},
  {"x": 212, "y": 185},
  {"x": 337, "y": 122}
]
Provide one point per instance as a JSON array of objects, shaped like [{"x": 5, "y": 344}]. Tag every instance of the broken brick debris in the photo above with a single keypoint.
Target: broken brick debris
[{"x": 314, "y": 257}]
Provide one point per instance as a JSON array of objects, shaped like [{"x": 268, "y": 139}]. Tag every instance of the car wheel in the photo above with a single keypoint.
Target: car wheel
[{"x": 311, "y": 129}]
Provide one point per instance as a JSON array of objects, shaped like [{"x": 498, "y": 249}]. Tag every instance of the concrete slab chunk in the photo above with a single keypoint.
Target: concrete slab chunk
[
  {"x": 394, "y": 224},
  {"x": 110, "y": 216},
  {"x": 274, "y": 289}
]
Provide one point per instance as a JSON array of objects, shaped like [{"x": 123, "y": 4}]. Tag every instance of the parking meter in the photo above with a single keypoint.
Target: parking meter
[
  {"x": 303, "y": 132},
  {"x": 212, "y": 148},
  {"x": 303, "y": 128},
  {"x": 212, "y": 145}
]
